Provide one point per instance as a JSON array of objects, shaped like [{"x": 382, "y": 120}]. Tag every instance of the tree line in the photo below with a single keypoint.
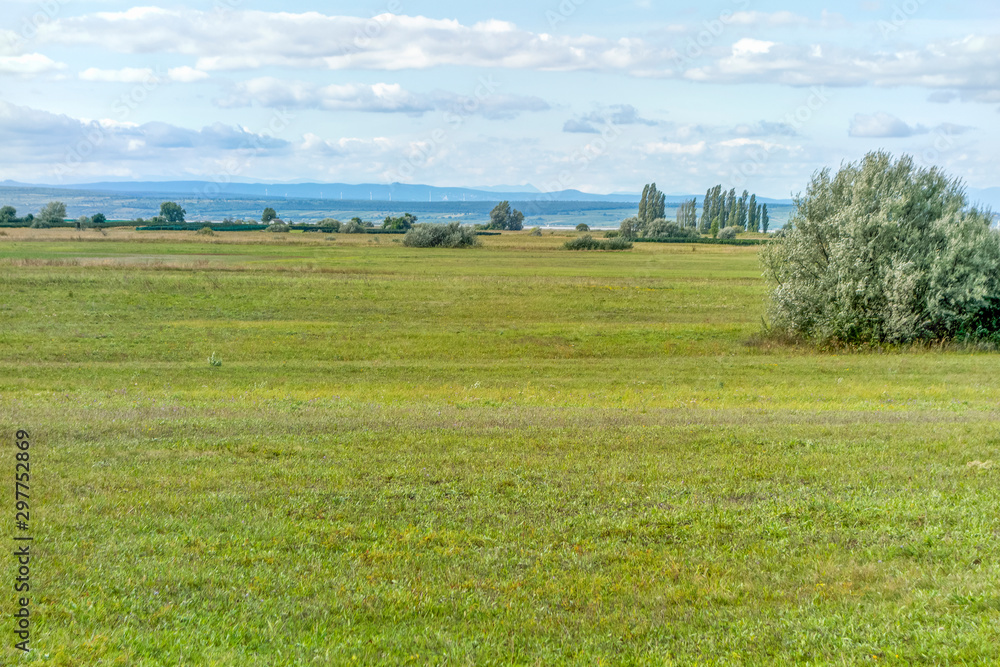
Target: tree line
[
  {"x": 722, "y": 211},
  {"x": 50, "y": 215}
]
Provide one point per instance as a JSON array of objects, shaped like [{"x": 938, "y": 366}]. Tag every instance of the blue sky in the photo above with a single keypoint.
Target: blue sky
[{"x": 598, "y": 96}]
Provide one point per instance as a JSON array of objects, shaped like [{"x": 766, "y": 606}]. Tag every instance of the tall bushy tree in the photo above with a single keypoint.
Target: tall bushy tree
[
  {"x": 504, "y": 217},
  {"x": 172, "y": 212},
  {"x": 52, "y": 213},
  {"x": 885, "y": 252}
]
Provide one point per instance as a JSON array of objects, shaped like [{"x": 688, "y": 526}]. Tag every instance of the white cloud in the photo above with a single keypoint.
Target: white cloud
[
  {"x": 882, "y": 125},
  {"x": 124, "y": 75},
  {"x": 272, "y": 92},
  {"x": 672, "y": 148},
  {"x": 971, "y": 63},
  {"x": 239, "y": 40},
  {"x": 60, "y": 145},
  {"x": 749, "y": 46},
  {"x": 235, "y": 40},
  {"x": 786, "y": 19},
  {"x": 378, "y": 97},
  {"x": 186, "y": 74},
  {"x": 743, "y": 142},
  {"x": 142, "y": 75},
  {"x": 29, "y": 64},
  {"x": 579, "y": 126},
  {"x": 616, "y": 114},
  {"x": 764, "y": 129}
]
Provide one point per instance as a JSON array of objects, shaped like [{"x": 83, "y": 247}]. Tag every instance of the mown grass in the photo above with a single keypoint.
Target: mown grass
[{"x": 512, "y": 454}]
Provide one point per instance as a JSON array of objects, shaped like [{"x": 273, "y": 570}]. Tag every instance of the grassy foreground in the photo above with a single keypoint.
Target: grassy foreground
[{"x": 512, "y": 454}]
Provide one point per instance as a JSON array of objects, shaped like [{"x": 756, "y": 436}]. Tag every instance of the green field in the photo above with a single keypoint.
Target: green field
[{"x": 510, "y": 454}]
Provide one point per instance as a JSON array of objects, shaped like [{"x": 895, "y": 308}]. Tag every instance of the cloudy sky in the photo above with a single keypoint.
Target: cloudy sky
[{"x": 599, "y": 96}]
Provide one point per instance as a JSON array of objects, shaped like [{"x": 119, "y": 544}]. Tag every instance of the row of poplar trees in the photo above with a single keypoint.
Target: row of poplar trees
[
  {"x": 723, "y": 209},
  {"x": 720, "y": 209}
]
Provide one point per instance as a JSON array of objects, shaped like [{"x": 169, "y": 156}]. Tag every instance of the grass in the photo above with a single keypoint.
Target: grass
[{"x": 511, "y": 454}]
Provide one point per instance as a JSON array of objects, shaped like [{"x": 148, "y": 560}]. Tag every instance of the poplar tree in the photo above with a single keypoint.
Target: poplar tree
[
  {"x": 656, "y": 207},
  {"x": 764, "y": 218},
  {"x": 706, "y": 211},
  {"x": 732, "y": 209},
  {"x": 742, "y": 219},
  {"x": 752, "y": 214},
  {"x": 644, "y": 204},
  {"x": 718, "y": 206}
]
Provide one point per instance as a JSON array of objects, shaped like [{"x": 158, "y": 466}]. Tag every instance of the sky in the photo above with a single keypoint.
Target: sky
[{"x": 556, "y": 94}]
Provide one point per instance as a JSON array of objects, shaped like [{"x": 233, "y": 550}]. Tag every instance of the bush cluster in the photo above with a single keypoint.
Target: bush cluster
[
  {"x": 452, "y": 235},
  {"x": 588, "y": 242},
  {"x": 329, "y": 225},
  {"x": 659, "y": 228},
  {"x": 353, "y": 226}
]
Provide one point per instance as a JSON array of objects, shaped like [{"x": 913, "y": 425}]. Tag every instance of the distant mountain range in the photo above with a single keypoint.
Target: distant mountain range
[{"x": 366, "y": 191}]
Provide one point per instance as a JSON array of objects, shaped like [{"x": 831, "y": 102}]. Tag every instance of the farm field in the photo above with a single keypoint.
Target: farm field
[{"x": 509, "y": 454}]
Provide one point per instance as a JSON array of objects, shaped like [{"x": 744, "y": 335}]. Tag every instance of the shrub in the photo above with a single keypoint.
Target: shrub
[
  {"x": 663, "y": 229},
  {"x": 585, "y": 242},
  {"x": 630, "y": 228},
  {"x": 277, "y": 226},
  {"x": 729, "y": 233},
  {"x": 329, "y": 225},
  {"x": 205, "y": 231},
  {"x": 53, "y": 213},
  {"x": 355, "y": 226},
  {"x": 885, "y": 252},
  {"x": 588, "y": 242},
  {"x": 583, "y": 227},
  {"x": 612, "y": 234},
  {"x": 452, "y": 235},
  {"x": 402, "y": 223},
  {"x": 617, "y": 243},
  {"x": 535, "y": 231}
]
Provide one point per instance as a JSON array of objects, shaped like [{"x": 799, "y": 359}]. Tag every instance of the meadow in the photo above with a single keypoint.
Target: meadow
[{"x": 513, "y": 454}]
